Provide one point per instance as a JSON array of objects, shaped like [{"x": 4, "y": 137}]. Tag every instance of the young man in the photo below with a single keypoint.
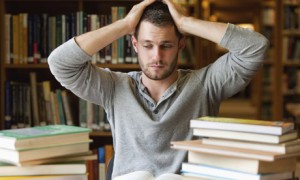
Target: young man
[{"x": 148, "y": 109}]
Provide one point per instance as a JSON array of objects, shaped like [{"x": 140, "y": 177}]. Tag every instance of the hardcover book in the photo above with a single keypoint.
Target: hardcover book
[
  {"x": 245, "y": 136},
  {"x": 198, "y": 146},
  {"x": 243, "y": 125},
  {"x": 246, "y": 165},
  {"x": 41, "y": 136}
]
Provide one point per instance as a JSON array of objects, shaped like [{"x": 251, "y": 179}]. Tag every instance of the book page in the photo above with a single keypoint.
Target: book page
[
  {"x": 169, "y": 176},
  {"x": 136, "y": 175}
]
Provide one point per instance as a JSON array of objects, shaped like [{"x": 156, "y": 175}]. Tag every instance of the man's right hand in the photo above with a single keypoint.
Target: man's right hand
[{"x": 134, "y": 15}]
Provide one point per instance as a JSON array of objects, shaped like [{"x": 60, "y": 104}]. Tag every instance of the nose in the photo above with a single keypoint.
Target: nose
[{"x": 157, "y": 53}]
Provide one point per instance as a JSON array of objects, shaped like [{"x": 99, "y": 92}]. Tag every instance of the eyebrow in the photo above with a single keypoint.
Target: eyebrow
[{"x": 149, "y": 41}]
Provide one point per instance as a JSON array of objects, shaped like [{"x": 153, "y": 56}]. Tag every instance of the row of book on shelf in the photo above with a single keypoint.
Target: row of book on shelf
[
  {"x": 291, "y": 15},
  {"x": 52, "y": 152},
  {"x": 36, "y": 104},
  {"x": 230, "y": 148},
  {"x": 30, "y": 38}
]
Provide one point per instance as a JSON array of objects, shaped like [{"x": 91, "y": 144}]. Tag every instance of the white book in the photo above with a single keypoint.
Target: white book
[
  {"x": 44, "y": 169},
  {"x": 286, "y": 147},
  {"x": 265, "y": 138},
  {"x": 229, "y": 174},
  {"x": 243, "y": 125}
]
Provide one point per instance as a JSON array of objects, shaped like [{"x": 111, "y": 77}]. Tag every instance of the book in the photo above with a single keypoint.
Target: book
[
  {"x": 285, "y": 147},
  {"x": 41, "y": 136},
  {"x": 16, "y": 157},
  {"x": 229, "y": 174},
  {"x": 85, "y": 156},
  {"x": 243, "y": 125},
  {"x": 245, "y": 136},
  {"x": 48, "y": 177},
  {"x": 101, "y": 161},
  {"x": 198, "y": 146},
  {"x": 44, "y": 169},
  {"x": 145, "y": 175},
  {"x": 253, "y": 166}
]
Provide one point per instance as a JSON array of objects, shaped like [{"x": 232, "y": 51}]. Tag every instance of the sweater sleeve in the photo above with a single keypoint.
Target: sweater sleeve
[
  {"x": 72, "y": 67},
  {"x": 233, "y": 71}
]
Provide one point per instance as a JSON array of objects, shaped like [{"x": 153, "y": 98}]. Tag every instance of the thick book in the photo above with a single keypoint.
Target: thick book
[
  {"x": 45, "y": 169},
  {"x": 243, "y": 125},
  {"x": 253, "y": 166},
  {"x": 245, "y": 136},
  {"x": 146, "y": 175},
  {"x": 85, "y": 156},
  {"x": 41, "y": 136},
  {"x": 229, "y": 174},
  {"x": 198, "y": 146},
  {"x": 17, "y": 157},
  {"x": 284, "y": 148}
]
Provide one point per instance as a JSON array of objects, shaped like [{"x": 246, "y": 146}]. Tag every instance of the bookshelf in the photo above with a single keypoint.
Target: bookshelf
[
  {"x": 247, "y": 103},
  {"x": 19, "y": 70},
  {"x": 288, "y": 62},
  {"x": 268, "y": 28}
]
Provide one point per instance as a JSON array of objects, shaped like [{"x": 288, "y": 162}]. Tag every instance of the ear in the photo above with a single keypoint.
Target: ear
[
  {"x": 182, "y": 43},
  {"x": 134, "y": 42}
]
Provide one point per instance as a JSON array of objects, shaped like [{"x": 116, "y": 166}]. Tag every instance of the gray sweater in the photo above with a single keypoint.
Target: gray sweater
[{"x": 141, "y": 128}]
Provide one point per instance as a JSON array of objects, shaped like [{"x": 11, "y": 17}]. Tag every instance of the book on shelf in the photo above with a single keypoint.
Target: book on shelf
[
  {"x": 146, "y": 175},
  {"x": 245, "y": 136},
  {"x": 44, "y": 169},
  {"x": 198, "y": 146},
  {"x": 246, "y": 165},
  {"x": 284, "y": 148},
  {"x": 41, "y": 136},
  {"x": 218, "y": 173},
  {"x": 244, "y": 125},
  {"x": 19, "y": 156}
]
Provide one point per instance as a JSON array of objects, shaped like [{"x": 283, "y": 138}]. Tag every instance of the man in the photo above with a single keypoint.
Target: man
[{"x": 148, "y": 109}]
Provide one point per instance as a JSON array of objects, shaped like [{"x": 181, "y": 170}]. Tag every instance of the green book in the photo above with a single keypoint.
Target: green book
[{"x": 42, "y": 136}]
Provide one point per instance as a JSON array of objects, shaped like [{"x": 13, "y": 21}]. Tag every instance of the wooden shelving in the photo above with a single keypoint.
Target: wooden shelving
[{"x": 19, "y": 72}]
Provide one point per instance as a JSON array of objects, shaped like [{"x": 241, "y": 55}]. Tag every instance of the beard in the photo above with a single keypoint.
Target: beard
[{"x": 168, "y": 69}]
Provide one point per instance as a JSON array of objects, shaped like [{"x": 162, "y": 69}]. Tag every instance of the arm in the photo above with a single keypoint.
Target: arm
[
  {"x": 233, "y": 71},
  {"x": 70, "y": 62},
  {"x": 94, "y": 41},
  {"x": 213, "y": 31}
]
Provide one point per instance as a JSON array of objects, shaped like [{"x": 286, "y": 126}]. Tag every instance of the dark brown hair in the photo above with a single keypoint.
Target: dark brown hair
[{"x": 159, "y": 15}]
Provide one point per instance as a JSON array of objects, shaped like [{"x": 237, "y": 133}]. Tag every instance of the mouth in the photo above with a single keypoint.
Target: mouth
[{"x": 156, "y": 65}]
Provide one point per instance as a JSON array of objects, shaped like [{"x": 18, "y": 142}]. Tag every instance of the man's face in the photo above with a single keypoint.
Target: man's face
[{"x": 157, "y": 49}]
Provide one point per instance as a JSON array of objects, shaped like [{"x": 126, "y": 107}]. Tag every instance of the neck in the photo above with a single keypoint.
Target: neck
[{"x": 156, "y": 88}]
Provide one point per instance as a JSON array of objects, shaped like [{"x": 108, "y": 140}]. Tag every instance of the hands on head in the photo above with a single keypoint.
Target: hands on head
[{"x": 137, "y": 10}]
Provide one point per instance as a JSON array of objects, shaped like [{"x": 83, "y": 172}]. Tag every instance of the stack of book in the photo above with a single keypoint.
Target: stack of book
[
  {"x": 231, "y": 148},
  {"x": 45, "y": 152}
]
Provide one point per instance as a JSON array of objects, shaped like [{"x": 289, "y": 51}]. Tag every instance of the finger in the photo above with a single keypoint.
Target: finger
[{"x": 146, "y": 3}]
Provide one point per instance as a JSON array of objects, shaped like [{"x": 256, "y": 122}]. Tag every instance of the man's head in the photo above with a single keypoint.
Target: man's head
[
  {"x": 158, "y": 43},
  {"x": 159, "y": 15}
]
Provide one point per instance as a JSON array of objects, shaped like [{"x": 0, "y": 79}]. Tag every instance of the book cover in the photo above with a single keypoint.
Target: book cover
[
  {"x": 40, "y": 136},
  {"x": 244, "y": 125}
]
